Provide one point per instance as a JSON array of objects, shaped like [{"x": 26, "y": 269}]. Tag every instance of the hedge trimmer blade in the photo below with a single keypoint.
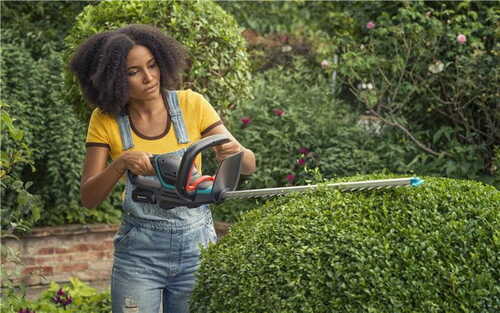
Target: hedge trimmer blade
[
  {"x": 177, "y": 183},
  {"x": 345, "y": 186}
]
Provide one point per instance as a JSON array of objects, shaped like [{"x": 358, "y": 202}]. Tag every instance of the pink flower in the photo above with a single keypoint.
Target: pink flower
[
  {"x": 290, "y": 178},
  {"x": 278, "y": 112},
  {"x": 246, "y": 120},
  {"x": 461, "y": 39},
  {"x": 325, "y": 64},
  {"x": 303, "y": 150},
  {"x": 301, "y": 161},
  {"x": 370, "y": 25}
]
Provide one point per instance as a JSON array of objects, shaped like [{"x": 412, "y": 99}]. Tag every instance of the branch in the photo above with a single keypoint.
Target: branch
[{"x": 407, "y": 132}]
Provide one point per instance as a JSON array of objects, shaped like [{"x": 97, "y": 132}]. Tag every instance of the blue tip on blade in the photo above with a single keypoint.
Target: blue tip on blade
[{"x": 415, "y": 181}]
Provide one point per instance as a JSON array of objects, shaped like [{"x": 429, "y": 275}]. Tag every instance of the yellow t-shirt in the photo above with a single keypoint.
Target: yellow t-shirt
[{"x": 199, "y": 117}]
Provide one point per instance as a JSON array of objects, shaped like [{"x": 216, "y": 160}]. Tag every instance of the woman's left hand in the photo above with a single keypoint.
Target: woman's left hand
[{"x": 227, "y": 149}]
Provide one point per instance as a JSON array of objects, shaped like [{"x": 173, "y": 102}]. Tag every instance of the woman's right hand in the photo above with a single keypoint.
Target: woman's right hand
[{"x": 137, "y": 162}]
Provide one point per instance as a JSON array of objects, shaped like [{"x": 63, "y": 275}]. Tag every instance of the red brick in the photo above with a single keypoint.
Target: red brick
[
  {"x": 44, "y": 251},
  {"x": 60, "y": 250},
  {"x": 28, "y": 261},
  {"x": 43, "y": 260},
  {"x": 73, "y": 267},
  {"x": 40, "y": 270},
  {"x": 82, "y": 247}
]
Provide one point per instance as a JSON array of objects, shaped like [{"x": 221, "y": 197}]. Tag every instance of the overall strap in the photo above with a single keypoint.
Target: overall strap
[
  {"x": 125, "y": 134},
  {"x": 176, "y": 116}
]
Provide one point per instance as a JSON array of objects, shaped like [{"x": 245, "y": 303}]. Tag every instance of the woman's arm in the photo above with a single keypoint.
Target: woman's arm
[
  {"x": 232, "y": 147},
  {"x": 98, "y": 179}
]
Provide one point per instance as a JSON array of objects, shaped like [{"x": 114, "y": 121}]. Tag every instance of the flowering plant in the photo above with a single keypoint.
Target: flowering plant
[
  {"x": 77, "y": 297},
  {"x": 428, "y": 74}
]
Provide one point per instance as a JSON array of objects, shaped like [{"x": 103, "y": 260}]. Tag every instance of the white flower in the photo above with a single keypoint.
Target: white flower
[
  {"x": 286, "y": 48},
  {"x": 325, "y": 64},
  {"x": 436, "y": 67}
]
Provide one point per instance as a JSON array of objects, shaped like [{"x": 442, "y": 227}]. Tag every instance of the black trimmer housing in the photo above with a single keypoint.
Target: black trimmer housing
[{"x": 177, "y": 182}]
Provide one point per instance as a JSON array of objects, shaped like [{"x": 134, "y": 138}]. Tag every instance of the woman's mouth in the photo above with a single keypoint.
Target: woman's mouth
[{"x": 151, "y": 89}]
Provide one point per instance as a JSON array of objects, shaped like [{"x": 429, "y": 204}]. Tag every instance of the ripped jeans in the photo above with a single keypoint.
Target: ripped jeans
[{"x": 155, "y": 264}]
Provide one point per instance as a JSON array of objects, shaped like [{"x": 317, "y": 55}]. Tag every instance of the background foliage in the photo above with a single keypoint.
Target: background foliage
[
  {"x": 218, "y": 60},
  {"x": 306, "y": 116},
  {"x": 16, "y": 153},
  {"x": 427, "y": 86},
  {"x": 432, "y": 248},
  {"x": 316, "y": 71},
  {"x": 32, "y": 83},
  {"x": 299, "y": 132}
]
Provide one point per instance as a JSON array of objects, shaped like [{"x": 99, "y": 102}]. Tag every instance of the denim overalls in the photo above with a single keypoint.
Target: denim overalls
[{"x": 157, "y": 251}]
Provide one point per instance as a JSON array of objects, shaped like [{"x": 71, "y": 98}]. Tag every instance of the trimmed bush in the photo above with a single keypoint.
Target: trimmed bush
[
  {"x": 432, "y": 248},
  {"x": 219, "y": 64}
]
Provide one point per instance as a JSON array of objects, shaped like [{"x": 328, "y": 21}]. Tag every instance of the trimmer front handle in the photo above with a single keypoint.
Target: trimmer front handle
[{"x": 184, "y": 173}]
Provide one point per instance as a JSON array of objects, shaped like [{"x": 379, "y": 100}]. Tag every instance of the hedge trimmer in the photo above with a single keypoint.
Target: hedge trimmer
[{"x": 177, "y": 183}]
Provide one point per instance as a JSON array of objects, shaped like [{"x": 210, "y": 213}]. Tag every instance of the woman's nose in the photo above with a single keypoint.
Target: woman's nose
[{"x": 148, "y": 76}]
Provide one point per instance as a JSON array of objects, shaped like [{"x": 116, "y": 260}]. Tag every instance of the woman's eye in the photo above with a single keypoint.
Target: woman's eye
[
  {"x": 132, "y": 73},
  {"x": 152, "y": 65}
]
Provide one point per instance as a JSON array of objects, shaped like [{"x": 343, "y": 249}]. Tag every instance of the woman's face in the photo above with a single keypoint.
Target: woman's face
[{"x": 143, "y": 74}]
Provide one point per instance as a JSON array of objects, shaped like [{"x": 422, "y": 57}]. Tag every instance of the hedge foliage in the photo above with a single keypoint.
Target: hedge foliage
[
  {"x": 219, "y": 66},
  {"x": 15, "y": 153},
  {"x": 33, "y": 89},
  {"x": 432, "y": 248}
]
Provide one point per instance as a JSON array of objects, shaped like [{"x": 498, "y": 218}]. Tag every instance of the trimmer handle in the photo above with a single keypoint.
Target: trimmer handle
[{"x": 188, "y": 158}]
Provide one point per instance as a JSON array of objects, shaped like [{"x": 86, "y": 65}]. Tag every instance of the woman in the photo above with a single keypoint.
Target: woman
[{"x": 126, "y": 73}]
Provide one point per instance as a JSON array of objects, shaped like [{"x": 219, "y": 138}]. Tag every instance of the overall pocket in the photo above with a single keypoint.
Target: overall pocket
[
  {"x": 123, "y": 236},
  {"x": 209, "y": 234}
]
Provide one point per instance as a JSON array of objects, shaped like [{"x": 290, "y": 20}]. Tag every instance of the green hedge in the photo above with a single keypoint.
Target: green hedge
[
  {"x": 432, "y": 248},
  {"x": 219, "y": 64},
  {"x": 34, "y": 91}
]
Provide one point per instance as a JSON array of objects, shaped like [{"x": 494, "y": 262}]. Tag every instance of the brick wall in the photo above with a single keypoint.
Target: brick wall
[{"x": 59, "y": 253}]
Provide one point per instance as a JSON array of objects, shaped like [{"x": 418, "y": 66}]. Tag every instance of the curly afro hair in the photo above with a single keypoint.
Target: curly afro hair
[{"x": 100, "y": 64}]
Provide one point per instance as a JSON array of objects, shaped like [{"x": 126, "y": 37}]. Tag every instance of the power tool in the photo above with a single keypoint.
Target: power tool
[{"x": 178, "y": 183}]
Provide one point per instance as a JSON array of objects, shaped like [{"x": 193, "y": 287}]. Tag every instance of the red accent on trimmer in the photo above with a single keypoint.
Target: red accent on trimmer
[{"x": 192, "y": 186}]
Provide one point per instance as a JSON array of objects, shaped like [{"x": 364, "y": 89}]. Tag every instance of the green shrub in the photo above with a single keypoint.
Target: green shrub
[
  {"x": 26, "y": 207},
  {"x": 40, "y": 25},
  {"x": 35, "y": 93},
  {"x": 77, "y": 297},
  {"x": 410, "y": 70},
  {"x": 219, "y": 64},
  {"x": 432, "y": 248},
  {"x": 295, "y": 127}
]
